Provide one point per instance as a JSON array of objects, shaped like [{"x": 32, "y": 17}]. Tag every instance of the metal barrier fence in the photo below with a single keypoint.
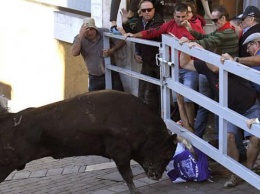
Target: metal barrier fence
[{"x": 169, "y": 81}]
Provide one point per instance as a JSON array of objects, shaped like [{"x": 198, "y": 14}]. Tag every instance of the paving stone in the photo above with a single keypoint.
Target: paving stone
[
  {"x": 118, "y": 188},
  {"x": 53, "y": 172},
  {"x": 21, "y": 175},
  {"x": 10, "y": 177},
  {"x": 70, "y": 169},
  {"x": 104, "y": 191},
  {"x": 39, "y": 173},
  {"x": 82, "y": 169}
]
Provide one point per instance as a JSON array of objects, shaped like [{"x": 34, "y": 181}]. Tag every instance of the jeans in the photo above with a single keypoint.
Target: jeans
[
  {"x": 99, "y": 83},
  {"x": 202, "y": 113},
  {"x": 189, "y": 79},
  {"x": 252, "y": 112},
  {"x": 96, "y": 82},
  {"x": 148, "y": 92}
]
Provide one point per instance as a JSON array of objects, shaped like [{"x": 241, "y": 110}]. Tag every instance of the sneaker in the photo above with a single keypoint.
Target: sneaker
[
  {"x": 114, "y": 30},
  {"x": 232, "y": 182}
]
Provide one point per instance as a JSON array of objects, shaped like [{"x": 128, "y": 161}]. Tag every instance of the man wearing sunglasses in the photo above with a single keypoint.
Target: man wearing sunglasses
[
  {"x": 146, "y": 55},
  {"x": 250, "y": 24},
  {"x": 175, "y": 27},
  {"x": 223, "y": 39},
  {"x": 252, "y": 44}
]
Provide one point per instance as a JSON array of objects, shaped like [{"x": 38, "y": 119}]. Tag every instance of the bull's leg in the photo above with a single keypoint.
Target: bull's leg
[
  {"x": 121, "y": 154},
  {"x": 124, "y": 168}
]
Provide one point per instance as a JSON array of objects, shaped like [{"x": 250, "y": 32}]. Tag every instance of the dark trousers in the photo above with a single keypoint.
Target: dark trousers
[
  {"x": 150, "y": 93},
  {"x": 99, "y": 83}
]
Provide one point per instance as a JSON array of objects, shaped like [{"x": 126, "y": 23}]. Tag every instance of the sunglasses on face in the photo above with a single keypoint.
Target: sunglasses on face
[
  {"x": 148, "y": 10},
  {"x": 216, "y": 20},
  {"x": 249, "y": 45}
]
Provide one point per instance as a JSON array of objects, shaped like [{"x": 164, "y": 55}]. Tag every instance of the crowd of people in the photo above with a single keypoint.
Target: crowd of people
[{"x": 236, "y": 39}]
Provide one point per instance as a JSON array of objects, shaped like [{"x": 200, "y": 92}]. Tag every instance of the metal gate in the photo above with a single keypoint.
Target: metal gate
[{"x": 169, "y": 81}]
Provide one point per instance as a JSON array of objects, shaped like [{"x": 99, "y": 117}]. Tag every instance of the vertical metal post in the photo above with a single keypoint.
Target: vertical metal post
[
  {"x": 108, "y": 75},
  {"x": 223, "y": 101}
]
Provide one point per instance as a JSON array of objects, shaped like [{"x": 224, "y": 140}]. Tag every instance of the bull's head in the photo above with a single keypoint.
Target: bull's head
[{"x": 158, "y": 158}]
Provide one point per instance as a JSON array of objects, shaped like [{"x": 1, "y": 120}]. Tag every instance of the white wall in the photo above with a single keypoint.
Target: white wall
[{"x": 29, "y": 58}]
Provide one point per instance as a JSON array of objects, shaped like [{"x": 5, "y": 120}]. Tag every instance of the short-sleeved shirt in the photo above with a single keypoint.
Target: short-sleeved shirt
[{"x": 93, "y": 55}]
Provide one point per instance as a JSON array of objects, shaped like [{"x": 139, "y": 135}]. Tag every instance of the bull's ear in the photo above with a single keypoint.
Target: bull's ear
[{"x": 174, "y": 138}]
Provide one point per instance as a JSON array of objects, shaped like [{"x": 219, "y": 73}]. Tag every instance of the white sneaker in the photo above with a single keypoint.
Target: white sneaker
[{"x": 232, "y": 182}]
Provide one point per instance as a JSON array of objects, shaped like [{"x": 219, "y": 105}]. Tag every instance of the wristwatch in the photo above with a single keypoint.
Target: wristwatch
[{"x": 236, "y": 59}]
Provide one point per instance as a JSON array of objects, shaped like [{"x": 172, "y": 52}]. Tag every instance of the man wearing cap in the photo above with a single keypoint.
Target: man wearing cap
[
  {"x": 89, "y": 43},
  {"x": 252, "y": 44},
  {"x": 241, "y": 99},
  {"x": 250, "y": 24}
]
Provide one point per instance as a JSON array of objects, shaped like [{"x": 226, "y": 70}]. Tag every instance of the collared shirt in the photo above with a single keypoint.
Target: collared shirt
[
  {"x": 246, "y": 29},
  {"x": 92, "y": 53}
]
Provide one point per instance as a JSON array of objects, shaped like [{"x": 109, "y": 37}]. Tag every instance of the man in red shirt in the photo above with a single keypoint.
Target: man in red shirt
[{"x": 188, "y": 78}]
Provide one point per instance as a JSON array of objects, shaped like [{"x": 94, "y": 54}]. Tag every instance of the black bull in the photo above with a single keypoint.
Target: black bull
[{"x": 107, "y": 123}]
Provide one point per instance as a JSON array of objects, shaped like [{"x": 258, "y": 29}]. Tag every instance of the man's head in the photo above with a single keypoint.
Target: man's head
[
  {"x": 89, "y": 24},
  {"x": 236, "y": 23},
  {"x": 220, "y": 16},
  {"x": 250, "y": 17},
  {"x": 146, "y": 10},
  {"x": 180, "y": 13},
  {"x": 252, "y": 43}
]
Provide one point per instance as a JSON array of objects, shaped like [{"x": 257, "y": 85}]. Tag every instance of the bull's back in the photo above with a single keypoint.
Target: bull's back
[{"x": 90, "y": 117}]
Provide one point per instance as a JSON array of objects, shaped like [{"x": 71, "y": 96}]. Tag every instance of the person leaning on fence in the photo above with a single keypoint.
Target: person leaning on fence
[
  {"x": 145, "y": 54},
  {"x": 252, "y": 43},
  {"x": 241, "y": 99},
  {"x": 223, "y": 40},
  {"x": 249, "y": 24},
  {"x": 132, "y": 13},
  {"x": 89, "y": 43},
  {"x": 202, "y": 114},
  {"x": 174, "y": 27}
]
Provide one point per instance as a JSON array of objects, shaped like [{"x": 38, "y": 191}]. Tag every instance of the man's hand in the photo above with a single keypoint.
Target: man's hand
[
  {"x": 123, "y": 14},
  {"x": 121, "y": 30},
  {"x": 224, "y": 57},
  {"x": 138, "y": 58},
  {"x": 107, "y": 52},
  {"x": 183, "y": 40},
  {"x": 84, "y": 28},
  {"x": 249, "y": 122},
  {"x": 186, "y": 24},
  {"x": 128, "y": 35},
  {"x": 194, "y": 44}
]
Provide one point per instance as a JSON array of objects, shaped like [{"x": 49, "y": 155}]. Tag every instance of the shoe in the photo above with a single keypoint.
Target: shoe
[
  {"x": 232, "y": 182},
  {"x": 114, "y": 30}
]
